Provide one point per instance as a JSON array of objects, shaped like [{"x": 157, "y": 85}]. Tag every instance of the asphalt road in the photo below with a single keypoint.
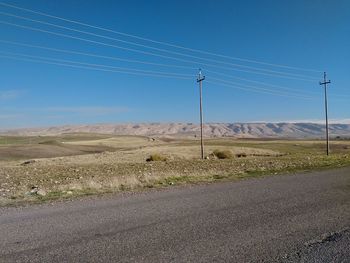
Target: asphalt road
[{"x": 294, "y": 218}]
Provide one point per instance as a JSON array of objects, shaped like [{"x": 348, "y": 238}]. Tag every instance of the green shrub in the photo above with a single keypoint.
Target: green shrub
[
  {"x": 223, "y": 154},
  {"x": 156, "y": 157}
]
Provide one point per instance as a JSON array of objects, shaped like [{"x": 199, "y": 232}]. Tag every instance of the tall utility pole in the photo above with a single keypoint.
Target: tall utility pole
[
  {"x": 199, "y": 80},
  {"x": 324, "y": 83}
]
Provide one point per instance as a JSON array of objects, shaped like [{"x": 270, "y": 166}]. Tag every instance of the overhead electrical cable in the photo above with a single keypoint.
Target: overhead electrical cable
[
  {"x": 98, "y": 65},
  {"x": 259, "y": 90},
  {"x": 96, "y": 55},
  {"x": 258, "y": 82},
  {"x": 80, "y": 65},
  {"x": 130, "y": 69},
  {"x": 92, "y": 68},
  {"x": 159, "y": 42},
  {"x": 153, "y": 48},
  {"x": 274, "y": 86},
  {"x": 137, "y": 73},
  {"x": 156, "y": 64},
  {"x": 150, "y": 53},
  {"x": 152, "y": 75},
  {"x": 146, "y": 71}
]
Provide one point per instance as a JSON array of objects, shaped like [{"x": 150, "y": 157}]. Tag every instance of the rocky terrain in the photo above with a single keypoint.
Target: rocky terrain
[
  {"x": 241, "y": 130},
  {"x": 39, "y": 168}
]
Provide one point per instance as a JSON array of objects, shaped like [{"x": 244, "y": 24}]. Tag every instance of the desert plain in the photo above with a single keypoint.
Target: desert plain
[{"x": 56, "y": 167}]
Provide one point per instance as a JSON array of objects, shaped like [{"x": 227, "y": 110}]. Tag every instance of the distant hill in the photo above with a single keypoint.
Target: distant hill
[{"x": 245, "y": 130}]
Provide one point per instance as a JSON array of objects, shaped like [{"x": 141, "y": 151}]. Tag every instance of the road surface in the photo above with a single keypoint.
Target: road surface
[{"x": 290, "y": 218}]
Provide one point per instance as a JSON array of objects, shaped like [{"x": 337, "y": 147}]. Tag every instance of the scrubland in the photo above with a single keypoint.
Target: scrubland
[{"x": 36, "y": 169}]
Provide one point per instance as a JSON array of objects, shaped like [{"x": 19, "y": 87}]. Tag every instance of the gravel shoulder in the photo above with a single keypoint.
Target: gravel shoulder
[{"x": 274, "y": 219}]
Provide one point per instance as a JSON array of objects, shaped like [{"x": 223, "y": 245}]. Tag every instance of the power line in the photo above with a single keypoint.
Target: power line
[
  {"x": 107, "y": 66},
  {"x": 252, "y": 89},
  {"x": 142, "y": 62},
  {"x": 338, "y": 96},
  {"x": 287, "y": 76},
  {"x": 96, "y": 65},
  {"x": 159, "y": 42},
  {"x": 153, "y": 48},
  {"x": 130, "y": 69},
  {"x": 263, "y": 72},
  {"x": 264, "y": 91},
  {"x": 256, "y": 82},
  {"x": 96, "y": 55},
  {"x": 255, "y": 87},
  {"x": 160, "y": 64},
  {"x": 92, "y": 68},
  {"x": 90, "y": 41}
]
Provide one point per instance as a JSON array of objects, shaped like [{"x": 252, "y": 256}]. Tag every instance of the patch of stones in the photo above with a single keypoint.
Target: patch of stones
[
  {"x": 36, "y": 191},
  {"x": 28, "y": 162}
]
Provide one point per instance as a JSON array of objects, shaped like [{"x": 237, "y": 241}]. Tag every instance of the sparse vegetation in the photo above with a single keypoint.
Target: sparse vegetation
[
  {"x": 157, "y": 157},
  {"x": 223, "y": 154},
  {"x": 124, "y": 167}
]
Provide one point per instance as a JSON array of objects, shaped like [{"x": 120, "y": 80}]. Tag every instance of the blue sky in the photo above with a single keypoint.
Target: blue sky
[{"x": 303, "y": 34}]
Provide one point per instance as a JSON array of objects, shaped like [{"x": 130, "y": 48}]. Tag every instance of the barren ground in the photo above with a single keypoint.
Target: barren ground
[{"x": 78, "y": 164}]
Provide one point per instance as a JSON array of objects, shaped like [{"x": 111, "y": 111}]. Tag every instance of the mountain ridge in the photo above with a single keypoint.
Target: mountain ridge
[{"x": 240, "y": 130}]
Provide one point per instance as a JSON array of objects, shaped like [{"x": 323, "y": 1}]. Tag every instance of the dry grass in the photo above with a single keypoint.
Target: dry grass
[
  {"x": 156, "y": 157},
  {"x": 126, "y": 168},
  {"x": 119, "y": 142},
  {"x": 223, "y": 154},
  {"x": 21, "y": 152}
]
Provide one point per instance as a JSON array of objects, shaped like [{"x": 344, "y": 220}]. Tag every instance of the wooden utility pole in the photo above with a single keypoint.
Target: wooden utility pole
[
  {"x": 199, "y": 80},
  {"x": 324, "y": 83}
]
